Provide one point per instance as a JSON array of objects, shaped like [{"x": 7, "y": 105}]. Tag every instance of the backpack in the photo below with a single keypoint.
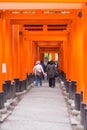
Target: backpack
[
  {"x": 38, "y": 73},
  {"x": 51, "y": 71}
]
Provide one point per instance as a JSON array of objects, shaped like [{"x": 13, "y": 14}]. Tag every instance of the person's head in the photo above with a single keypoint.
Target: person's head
[
  {"x": 37, "y": 62},
  {"x": 48, "y": 62},
  {"x": 51, "y": 62}
]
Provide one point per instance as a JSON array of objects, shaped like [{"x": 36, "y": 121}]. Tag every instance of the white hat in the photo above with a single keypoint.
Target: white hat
[{"x": 37, "y": 62}]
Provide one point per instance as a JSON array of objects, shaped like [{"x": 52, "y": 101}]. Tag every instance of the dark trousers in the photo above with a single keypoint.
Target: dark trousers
[{"x": 52, "y": 82}]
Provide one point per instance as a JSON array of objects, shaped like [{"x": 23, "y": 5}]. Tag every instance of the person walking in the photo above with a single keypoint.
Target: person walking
[
  {"x": 38, "y": 72},
  {"x": 51, "y": 73}
]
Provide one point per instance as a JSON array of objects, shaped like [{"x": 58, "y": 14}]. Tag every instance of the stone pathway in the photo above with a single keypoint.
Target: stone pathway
[{"x": 42, "y": 108}]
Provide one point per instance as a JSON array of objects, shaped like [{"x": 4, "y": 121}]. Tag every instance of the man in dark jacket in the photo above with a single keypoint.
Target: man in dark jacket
[{"x": 51, "y": 73}]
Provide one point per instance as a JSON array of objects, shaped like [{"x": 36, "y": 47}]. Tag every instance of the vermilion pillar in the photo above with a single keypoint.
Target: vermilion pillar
[
  {"x": 4, "y": 67},
  {"x": 53, "y": 56},
  {"x": 85, "y": 51},
  {"x": 61, "y": 57},
  {"x": 6, "y": 49},
  {"x": 22, "y": 52},
  {"x": 42, "y": 56},
  {"x": 35, "y": 45},
  {"x": 75, "y": 52},
  {"x": 33, "y": 54},
  {"x": 38, "y": 54},
  {"x": 30, "y": 54},
  {"x": 1, "y": 56},
  {"x": 72, "y": 51},
  {"x": 59, "y": 61},
  {"x": 65, "y": 56},
  {"x": 16, "y": 51},
  {"x": 79, "y": 53},
  {"x": 27, "y": 53}
]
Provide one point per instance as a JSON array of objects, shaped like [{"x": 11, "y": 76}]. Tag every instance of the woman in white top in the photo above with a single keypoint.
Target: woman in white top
[{"x": 39, "y": 72}]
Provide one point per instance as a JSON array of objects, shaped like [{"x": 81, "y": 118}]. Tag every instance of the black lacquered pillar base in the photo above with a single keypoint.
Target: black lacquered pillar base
[
  {"x": 8, "y": 86},
  {"x": 78, "y": 100},
  {"x": 82, "y": 112},
  {"x": 2, "y": 100},
  {"x": 17, "y": 84},
  {"x": 72, "y": 89}
]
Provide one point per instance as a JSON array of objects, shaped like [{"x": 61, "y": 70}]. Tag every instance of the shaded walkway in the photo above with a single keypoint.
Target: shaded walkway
[{"x": 43, "y": 108}]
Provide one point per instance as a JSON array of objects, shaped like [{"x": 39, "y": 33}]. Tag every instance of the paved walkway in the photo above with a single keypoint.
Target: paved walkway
[{"x": 42, "y": 108}]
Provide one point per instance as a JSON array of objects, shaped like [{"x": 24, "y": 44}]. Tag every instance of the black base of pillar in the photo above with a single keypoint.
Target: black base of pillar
[
  {"x": 17, "y": 84},
  {"x": 8, "y": 84},
  {"x": 82, "y": 111},
  {"x": 72, "y": 89},
  {"x": 78, "y": 100},
  {"x": 2, "y": 100}
]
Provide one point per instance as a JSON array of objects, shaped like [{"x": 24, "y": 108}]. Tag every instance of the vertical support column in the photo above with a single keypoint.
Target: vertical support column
[
  {"x": 22, "y": 54},
  {"x": 75, "y": 49},
  {"x": 75, "y": 67},
  {"x": 27, "y": 54},
  {"x": 72, "y": 50},
  {"x": 32, "y": 55},
  {"x": 6, "y": 49},
  {"x": 53, "y": 56},
  {"x": 85, "y": 53},
  {"x": 38, "y": 54},
  {"x": 42, "y": 56},
  {"x": 1, "y": 55},
  {"x": 16, "y": 51},
  {"x": 59, "y": 61},
  {"x": 68, "y": 59},
  {"x": 25, "y": 42},
  {"x": 3, "y": 48},
  {"x": 69, "y": 55},
  {"x": 65, "y": 56},
  {"x": 79, "y": 53},
  {"x": 35, "y": 51},
  {"x": 61, "y": 57}
]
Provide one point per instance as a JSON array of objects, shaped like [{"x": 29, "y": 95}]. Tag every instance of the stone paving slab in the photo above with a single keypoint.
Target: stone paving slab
[
  {"x": 36, "y": 125},
  {"x": 43, "y": 108},
  {"x": 4, "y": 116}
]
